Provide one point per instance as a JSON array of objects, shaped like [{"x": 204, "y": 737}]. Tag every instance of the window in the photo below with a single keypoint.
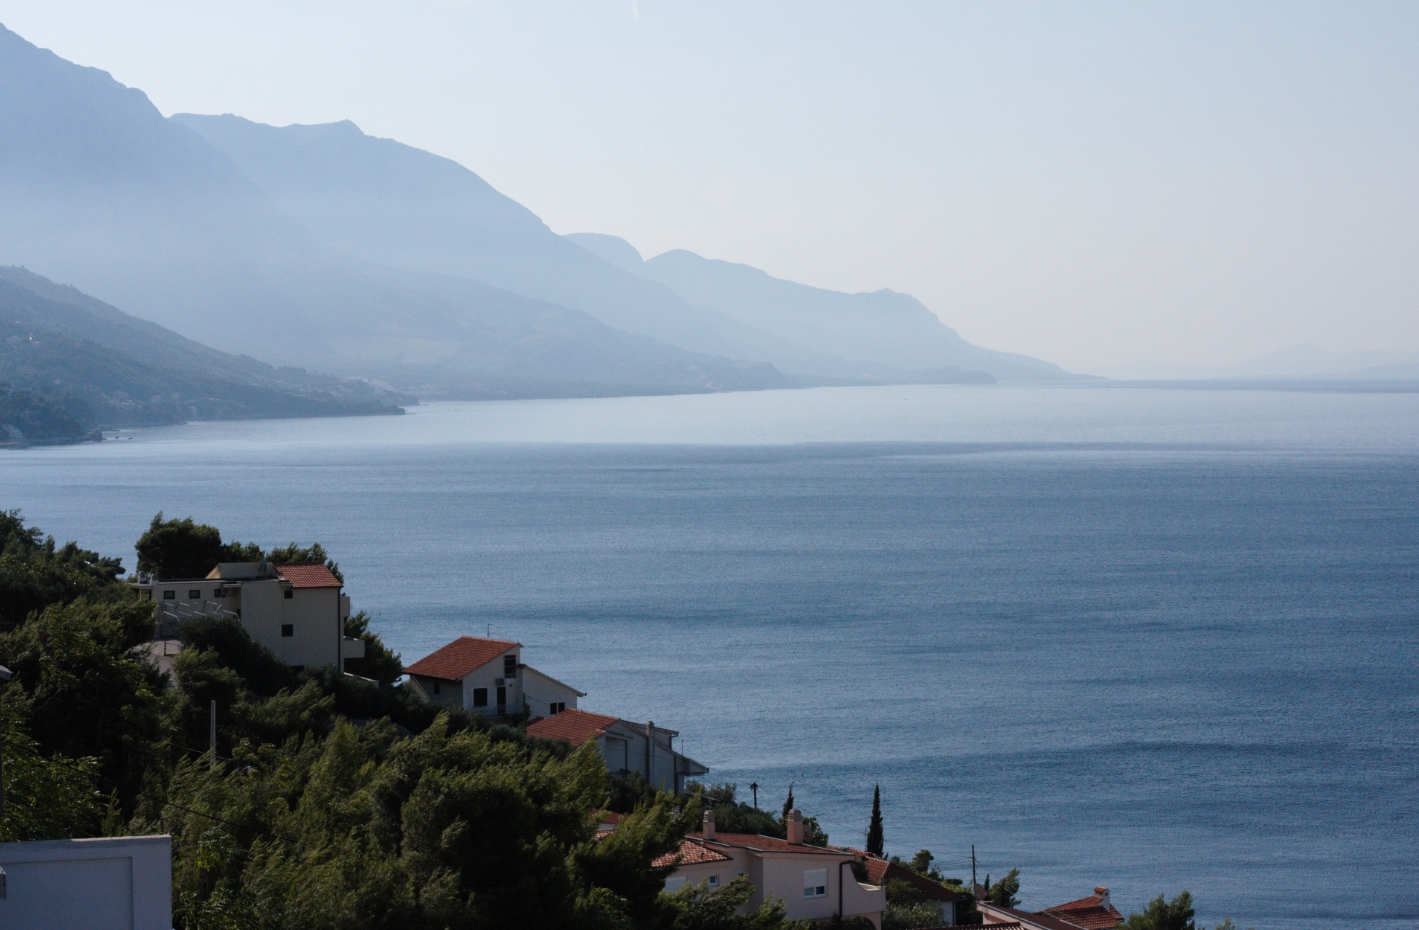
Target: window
[
  {"x": 220, "y": 592},
  {"x": 288, "y": 629},
  {"x": 556, "y": 707},
  {"x": 502, "y": 698},
  {"x": 169, "y": 595},
  {"x": 815, "y": 883},
  {"x": 195, "y": 594},
  {"x": 290, "y": 594},
  {"x": 509, "y": 666},
  {"x": 674, "y": 883},
  {"x": 714, "y": 881},
  {"x": 480, "y": 697},
  {"x": 436, "y": 687}
]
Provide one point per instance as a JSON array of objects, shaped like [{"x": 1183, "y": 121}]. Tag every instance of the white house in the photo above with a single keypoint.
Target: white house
[
  {"x": 296, "y": 611},
  {"x": 488, "y": 676},
  {"x": 813, "y": 882},
  {"x": 109, "y": 883},
  {"x": 629, "y": 748}
]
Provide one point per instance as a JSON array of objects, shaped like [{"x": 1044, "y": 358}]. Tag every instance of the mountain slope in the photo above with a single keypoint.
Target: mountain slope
[
  {"x": 98, "y": 189},
  {"x": 883, "y": 328},
  {"x": 390, "y": 203},
  {"x": 103, "y": 369}
]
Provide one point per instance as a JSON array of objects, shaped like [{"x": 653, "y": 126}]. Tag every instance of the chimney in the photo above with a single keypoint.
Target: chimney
[
  {"x": 1103, "y": 894},
  {"x": 795, "y": 827},
  {"x": 707, "y": 824}
]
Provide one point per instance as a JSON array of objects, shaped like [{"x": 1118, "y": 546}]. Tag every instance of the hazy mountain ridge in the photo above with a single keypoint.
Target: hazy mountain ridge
[
  {"x": 894, "y": 334},
  {"x": 324, "y": 248},
  {"x": 72, "y": 364},
  {"x": 99, "y": 190}
]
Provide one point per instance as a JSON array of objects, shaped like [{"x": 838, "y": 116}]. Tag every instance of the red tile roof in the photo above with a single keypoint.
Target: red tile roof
[
  {"x": 1088, "y": 913},
  {"x": 762, "y": 843},
  {"x": 1034, "y": 920},
  {"x": 690, "y": 853},
  {"x": 308, "y": 575},
  {"x": 880, "y": 870},
  {"x": 574, "y": 726},
  {"x": 460, "y": 657}
]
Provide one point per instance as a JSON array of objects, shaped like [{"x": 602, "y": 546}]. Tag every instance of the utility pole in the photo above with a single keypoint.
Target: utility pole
[
  {"x": 753, "y": 786},
  {"x": 212, "y": 734},
  {"x": 973, "y": 868}
]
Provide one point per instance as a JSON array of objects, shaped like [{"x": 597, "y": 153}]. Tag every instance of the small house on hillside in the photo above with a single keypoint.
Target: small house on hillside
[
  {"x": 487, "y": 676},
  {"x": 814, "y": 882},
  {"x": 629, "y": 748},
  {"x": 298, "y": 611},
  {"x": 880, "y": 871}
]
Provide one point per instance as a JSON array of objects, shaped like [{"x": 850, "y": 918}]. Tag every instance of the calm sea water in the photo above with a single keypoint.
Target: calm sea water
[{"x": 1148, "y": 639}]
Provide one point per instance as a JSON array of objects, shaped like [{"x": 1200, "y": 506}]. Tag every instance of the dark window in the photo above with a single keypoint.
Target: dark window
[
  {"x": 509, "y": 666},
  {"x": 557, "y": 707},
  {"x": 480, "y": 697},
  {"x": 290, "y": 594},
  {"x": 502, "y": 698},
  {"x": 436, "y": 687},
  {"x": 220, "y": 592},
  {"x": 288, "y": 629},
  {"x": 194, "y": 594},
  {"x": 169, "y": 595}
]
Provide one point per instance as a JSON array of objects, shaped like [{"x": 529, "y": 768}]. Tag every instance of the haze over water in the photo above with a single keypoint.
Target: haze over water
[{"x": 1148, "y": 639}]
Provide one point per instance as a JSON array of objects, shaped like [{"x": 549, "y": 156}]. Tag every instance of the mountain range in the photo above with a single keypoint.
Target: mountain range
[
  {"x": 328, "y": 249},
  {"x": 70, "y": 365}
]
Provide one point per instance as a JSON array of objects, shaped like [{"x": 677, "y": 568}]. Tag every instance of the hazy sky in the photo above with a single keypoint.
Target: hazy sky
[{"x": 1089, "y": 183}]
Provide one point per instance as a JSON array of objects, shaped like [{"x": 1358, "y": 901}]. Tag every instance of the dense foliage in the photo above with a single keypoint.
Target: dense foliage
[
  {"x": 332, "y": 801},
  {"x": 734, "y": 816},
  {"x": 1162, "y": 914}
]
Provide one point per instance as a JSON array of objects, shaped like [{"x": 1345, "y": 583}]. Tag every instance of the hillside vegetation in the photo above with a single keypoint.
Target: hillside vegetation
[{"x": 332, "y": 801}]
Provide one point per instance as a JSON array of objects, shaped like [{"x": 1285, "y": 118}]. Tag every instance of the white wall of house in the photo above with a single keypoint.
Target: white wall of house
[
  {"x": 119, "y": 883},
  {"x": 540, "y": 692},
  {"x": 722, "y": 872},
  {"x": 505, "y": 669}
]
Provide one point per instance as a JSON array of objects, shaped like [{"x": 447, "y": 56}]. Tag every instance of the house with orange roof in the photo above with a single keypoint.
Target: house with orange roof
[
  {"x": 298, "y": 611},
  {"x": 629, "y": 748},
  {"x": 1094, "y": 912},
  {"x": 813, "y": 882},
  {"x": 487, "y": 676}
]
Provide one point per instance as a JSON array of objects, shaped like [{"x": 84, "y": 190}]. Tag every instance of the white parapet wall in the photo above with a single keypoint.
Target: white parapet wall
[{"x": 117, "y": 883}]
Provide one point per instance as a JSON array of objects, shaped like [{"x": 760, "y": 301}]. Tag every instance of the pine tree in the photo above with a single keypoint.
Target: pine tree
[{"x": 874, "y": 829}]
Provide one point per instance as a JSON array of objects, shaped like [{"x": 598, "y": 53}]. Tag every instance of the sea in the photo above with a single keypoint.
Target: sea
[{"x": 1143, "y": 638}]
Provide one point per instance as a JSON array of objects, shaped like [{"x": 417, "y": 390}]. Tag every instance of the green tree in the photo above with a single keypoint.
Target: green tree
[
  {"x": 91, "y": 693},
  {"x": 36, "y": 572},
  {"x": 380, "y": 663},
  {"x": 697, "y": 907},
  {"x": 787, "y": 803},
  {"x": 45, "y": 798},
  {"x": 1004, "y": 893},
  {"x": 874, "y": 828},
  {"x": 184, "y": 549},
  {"x": 908, "y": 915},
  {"x": 1162, "y": 914}
]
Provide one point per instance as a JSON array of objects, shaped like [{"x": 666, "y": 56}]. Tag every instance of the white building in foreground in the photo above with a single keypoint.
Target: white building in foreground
[{"x": 111, "y": 883}]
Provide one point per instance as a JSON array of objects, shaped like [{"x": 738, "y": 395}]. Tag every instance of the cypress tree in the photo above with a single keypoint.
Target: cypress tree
[
  {"x": 788, "y": 805},
  {"x": 874, "y": 829}
]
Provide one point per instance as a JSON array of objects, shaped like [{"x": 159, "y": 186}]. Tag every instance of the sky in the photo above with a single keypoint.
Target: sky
[{"x": 1117, "y": 187}]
